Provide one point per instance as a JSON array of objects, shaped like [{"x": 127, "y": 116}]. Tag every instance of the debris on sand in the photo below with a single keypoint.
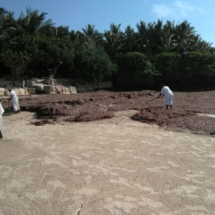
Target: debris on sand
[
  {"x": 98, "y": 105},
  {"x": 42, "y": 122},
  {"x": 159, "y": 115}
]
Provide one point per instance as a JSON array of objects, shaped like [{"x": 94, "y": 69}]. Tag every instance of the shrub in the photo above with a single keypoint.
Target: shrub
[
  {"x": 93, "y": 64},
  {"x": 135, "y": 65},
  {"x": 166, "y": 64}
]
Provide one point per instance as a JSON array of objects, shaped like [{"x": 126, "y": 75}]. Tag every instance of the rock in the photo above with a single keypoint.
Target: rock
[
  {"x": 6, "y": 92},
  {"x": 31, "y": 90},
  {"x": 29, "y": 83},
  {"x": 65, "y": 90},
  {"x": 47, "y": 89},
  {"x": 2, "y": 90},
  {"x": 57, "y": 89},
  {"x": 39, "y": 87},
  {"x": 72, "y": 90},
  {"x": 37, "y": 80},
  {"x": 20, "y": 91}
]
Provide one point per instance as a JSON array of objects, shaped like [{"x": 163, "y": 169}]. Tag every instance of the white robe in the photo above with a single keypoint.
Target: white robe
[
  {"x": 169, "y": 99},
  {"x": 168, "y": 95},
  {"x": 15, "y": 101},
  {"x": 1, "y": 112}
]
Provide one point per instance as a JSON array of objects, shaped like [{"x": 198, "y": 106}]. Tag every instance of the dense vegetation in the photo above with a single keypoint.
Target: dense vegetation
[{"x": 32, "y": 46}]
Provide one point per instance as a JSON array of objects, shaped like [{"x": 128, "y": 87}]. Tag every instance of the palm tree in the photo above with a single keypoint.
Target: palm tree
[
  {"x": 202, "y": 45},
  {"x": 61, "y": 31},
  {"x": 7, "y": 24},
  {"x": 93, "y": 37},
  {"x": 142, "y": 37},
  {"x": 184, "y": 35},
  {"x": 34, "y": 22},
  {"x": 167, "y": 37},
  {"x": 113, "y": 40},
  {"x": 154, "y": 34},
  {"x": 167, "y": 40},
  {"x": 129, "y": 40},
  {"x": 77, "y": 37}
]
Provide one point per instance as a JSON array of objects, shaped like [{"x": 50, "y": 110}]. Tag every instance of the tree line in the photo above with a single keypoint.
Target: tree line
[{"x": 32, "y": 46}]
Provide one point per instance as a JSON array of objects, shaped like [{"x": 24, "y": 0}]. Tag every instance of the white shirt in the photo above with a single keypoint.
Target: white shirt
[
  {"x": 166, "y": 91},
  {"x": 14, "y": 96}
]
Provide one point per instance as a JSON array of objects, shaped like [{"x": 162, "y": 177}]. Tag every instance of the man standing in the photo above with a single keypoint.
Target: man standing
[
  {"x": 1, "y": 121},
  {"x": 165, "y": 91},
  {"x": 15, "y": 101}
]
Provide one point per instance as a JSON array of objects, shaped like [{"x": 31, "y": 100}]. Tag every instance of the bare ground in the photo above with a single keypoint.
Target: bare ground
[
  {"x": 111, "y": 166},
  {"x": 188, "y": 113}
]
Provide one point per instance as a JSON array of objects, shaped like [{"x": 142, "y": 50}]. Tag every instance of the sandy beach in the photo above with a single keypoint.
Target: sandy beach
[{"x": 112, "y": 166}]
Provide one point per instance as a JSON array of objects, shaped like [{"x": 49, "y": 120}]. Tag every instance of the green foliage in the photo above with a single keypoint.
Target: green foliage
[
  {"x": 173, "y": 66},
  {"x": 176, "y": 51},
  {"x": 166, "y": 64},
  {"x": 33, "y": 22},
  {"x": 135, "y": 65},
  {"x": 93, "y": 64},
  {"x": 199, "y": 64},
  {"x": 53, "y": 52},
  {"x": 17, "y": 53}
]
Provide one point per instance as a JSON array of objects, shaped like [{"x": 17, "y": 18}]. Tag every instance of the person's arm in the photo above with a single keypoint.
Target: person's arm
[
  {"x": 10, "y": 97},
  {"x": 160, "y": 95}
]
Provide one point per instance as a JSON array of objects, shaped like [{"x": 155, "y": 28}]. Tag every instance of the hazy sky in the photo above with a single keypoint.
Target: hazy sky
[{"x": 78, "y": 13}]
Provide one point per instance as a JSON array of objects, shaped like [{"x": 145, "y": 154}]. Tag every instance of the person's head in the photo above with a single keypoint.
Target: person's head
[{"x": 9, "y": 89}]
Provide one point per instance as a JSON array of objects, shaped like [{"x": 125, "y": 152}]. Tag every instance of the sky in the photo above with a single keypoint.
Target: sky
[{"x": 78, "y": 13}]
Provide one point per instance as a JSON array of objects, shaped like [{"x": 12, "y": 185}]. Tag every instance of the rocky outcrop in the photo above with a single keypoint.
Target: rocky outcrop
[
  {"x": 59, "y": 89},
  {"x": 2, "y": 91},
  {"x": 38, "y": 86},
  {"x": 18, "y": 91}
]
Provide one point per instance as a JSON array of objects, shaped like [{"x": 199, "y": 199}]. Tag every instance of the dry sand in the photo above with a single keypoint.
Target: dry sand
[{"x": 113, "y": 166}]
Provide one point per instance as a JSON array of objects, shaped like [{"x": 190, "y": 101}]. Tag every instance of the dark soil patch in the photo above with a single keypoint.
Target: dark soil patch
[
  {"x": 98, "y": 105},
  {"x": 42, "y": 122},
  {"x": 160, "y": 115},
  {"x": 89, "y": 116},
  {"x": 179, "y": 120}
]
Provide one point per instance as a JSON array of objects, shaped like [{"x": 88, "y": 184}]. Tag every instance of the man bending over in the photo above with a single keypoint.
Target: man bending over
[{"x": 165, "y": 91}]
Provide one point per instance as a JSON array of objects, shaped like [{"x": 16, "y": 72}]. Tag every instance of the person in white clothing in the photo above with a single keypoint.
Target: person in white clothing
[
  {"x": 165, "y": 91},
  {"x": 1, "y": 121},
  {"x": 15, "y": 101}
]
